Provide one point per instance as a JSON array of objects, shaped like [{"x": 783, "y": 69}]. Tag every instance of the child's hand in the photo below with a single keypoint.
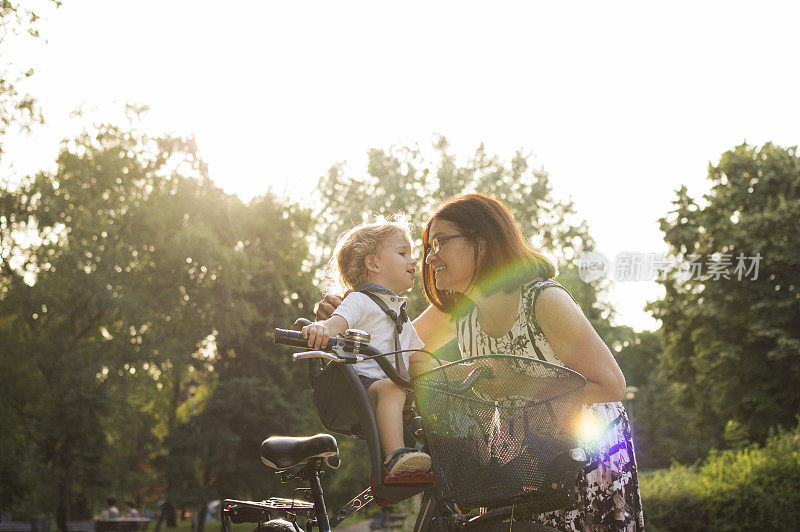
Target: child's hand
[{"x": 317, "y": 334}]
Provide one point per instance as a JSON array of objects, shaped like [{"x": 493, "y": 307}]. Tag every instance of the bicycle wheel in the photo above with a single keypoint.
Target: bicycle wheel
[{"x": 428, "y": 509}]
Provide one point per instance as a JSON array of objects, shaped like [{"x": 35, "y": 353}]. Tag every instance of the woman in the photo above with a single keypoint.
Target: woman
[{"x": 489, "y": 289}]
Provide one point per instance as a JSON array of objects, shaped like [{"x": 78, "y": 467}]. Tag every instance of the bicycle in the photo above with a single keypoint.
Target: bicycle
[{"x": 530, "y": 467}]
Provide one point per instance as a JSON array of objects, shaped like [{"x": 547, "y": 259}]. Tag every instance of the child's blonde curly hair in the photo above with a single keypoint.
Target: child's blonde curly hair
[{"x": 347, "y": 266}]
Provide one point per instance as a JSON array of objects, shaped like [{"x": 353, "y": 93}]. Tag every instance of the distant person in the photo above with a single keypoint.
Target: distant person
[
  {"x": 112, "y": 512},
  {"x": 130, "y": 509}
]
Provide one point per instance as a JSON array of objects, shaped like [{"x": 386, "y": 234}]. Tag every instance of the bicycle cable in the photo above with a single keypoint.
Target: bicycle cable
[{"x": 370, "y": 357}]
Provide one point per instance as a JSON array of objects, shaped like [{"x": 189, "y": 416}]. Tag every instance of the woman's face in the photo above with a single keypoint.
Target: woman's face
[{"x": 454, "y": 266}]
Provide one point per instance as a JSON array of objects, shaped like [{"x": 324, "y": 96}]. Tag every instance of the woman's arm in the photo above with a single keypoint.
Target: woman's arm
[
  {"x": 578, "y": 345},
  {"x": 435, "y": 329},
  {"x": 327, "y": 306}
]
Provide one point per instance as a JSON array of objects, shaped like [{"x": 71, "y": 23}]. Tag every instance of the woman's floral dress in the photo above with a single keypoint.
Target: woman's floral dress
[{"x": 608, "y": 490}]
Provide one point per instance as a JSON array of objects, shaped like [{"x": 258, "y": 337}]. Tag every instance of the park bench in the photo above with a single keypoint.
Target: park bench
[
  {"x": 80, "y": 526},
  {"x": 15, "y": 527},
  {"x": 132, "y": 524},
  {"x": 125, "y": 524},
  {"x": 39, "y": 524},
  {"x": 388, "y": 519}
]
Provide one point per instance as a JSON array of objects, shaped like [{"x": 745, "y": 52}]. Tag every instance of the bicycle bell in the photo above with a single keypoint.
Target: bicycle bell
[{"x": 353, "y": 338}]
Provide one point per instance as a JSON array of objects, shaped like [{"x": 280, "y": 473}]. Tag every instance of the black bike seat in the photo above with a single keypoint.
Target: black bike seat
[{"x": 283, "y": 452}]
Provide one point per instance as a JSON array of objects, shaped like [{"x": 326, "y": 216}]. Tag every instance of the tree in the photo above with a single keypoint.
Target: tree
[
  {"x": 401, "y": 179},
  {"x": 255, "y": 391},
  {"x": 20, "y": 111},
  {"x": 16, "y": 109},
  {"x": 732, "y": 344},
  {"x": 663, "y": 429},
  {"x": 72, "y": 260},
  {"x": 124, "y": 273}
]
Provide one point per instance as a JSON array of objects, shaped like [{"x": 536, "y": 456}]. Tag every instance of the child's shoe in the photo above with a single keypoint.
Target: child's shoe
[{"x": 406, "y": 459}]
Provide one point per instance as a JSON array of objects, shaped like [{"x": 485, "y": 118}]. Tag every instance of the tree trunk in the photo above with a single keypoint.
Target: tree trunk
[
  {"x": 62, "y": 514},
  {"x": 201, "y": 516}
]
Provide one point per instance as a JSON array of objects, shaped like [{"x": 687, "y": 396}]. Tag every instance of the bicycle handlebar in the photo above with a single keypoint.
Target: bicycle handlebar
[
  {"x": 295, "y": 339},
  {"x": 292, "y": 338}
]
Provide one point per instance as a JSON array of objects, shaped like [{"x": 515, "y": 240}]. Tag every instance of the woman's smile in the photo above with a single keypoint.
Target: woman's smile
[{"x": 456, "y": 274}]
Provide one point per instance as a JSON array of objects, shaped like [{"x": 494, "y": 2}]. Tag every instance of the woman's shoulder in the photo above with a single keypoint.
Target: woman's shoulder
[
  {"x": 538, "y": 285},
  {"x": 534, "y": 288},
  {"x": 466, "y": 314}
]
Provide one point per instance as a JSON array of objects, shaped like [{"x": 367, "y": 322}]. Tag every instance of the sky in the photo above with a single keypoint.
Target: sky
[{"x": 620, "y": 102}]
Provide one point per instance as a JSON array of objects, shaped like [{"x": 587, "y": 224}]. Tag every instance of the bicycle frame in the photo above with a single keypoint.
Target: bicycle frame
[
  {"x": 231, "y": 510},
  {"x": 434, "y": 513}
]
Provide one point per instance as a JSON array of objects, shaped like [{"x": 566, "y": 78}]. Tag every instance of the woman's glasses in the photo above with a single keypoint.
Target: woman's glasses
[{"x": 436, "y": 243}]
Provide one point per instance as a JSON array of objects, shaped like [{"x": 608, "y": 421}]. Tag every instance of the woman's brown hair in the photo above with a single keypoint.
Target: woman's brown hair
[{"x": 509, "y": 260}]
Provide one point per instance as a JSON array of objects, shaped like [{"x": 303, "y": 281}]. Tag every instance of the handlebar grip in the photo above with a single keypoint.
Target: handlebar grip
[{"x": 289, "y": 337}]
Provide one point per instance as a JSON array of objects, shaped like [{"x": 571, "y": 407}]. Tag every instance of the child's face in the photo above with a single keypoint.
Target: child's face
[{"x": 396, "y": 265}]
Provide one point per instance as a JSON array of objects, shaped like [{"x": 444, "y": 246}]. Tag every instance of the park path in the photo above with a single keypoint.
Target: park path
[{"x": 360, "y": 526}]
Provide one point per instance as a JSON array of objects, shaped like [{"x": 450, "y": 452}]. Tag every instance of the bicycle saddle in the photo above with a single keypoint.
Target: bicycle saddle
[{"x": 283, "y": 452}]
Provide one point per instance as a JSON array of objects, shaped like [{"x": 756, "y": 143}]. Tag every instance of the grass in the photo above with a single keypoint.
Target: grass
[{"x": 215, "y": 526}]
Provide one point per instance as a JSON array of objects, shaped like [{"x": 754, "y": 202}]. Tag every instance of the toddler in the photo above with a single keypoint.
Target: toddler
[{"x": 375, "y": 261}]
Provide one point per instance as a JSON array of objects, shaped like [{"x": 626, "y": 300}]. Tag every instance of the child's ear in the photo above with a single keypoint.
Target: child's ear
[{"x": 371, "y": 262}]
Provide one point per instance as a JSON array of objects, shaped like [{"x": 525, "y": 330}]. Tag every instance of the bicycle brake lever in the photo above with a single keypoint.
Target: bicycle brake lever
[
  {"x": 338, "y": 355},
  {"x": 344, "y": 356},
  {"x": 316, "y": 354}
]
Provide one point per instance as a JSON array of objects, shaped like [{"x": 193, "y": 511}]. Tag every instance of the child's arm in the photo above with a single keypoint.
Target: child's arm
[{"x": 318, "y": 333}]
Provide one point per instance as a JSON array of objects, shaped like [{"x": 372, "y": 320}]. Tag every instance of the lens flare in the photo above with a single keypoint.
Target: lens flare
[
  {"x": 509, "y": 277},
  {"x": 588, "y": 429}
]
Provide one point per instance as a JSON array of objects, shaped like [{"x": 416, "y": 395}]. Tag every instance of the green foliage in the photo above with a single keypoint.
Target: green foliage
[
  {"x": 735, "y": 435},
  {"x": 16, "y": 109},
  {"x": 403, "y": 179},
  {"x": 21, "y": 383},
  {"x": 69, "y": 258},
  {"x": 732, "y": 346},
  {"x": 671, "y": 499},
  {"x": 663, "y": 431},
  {"x": 754, "y": 488},
  {"x": 125, "y": 273}
]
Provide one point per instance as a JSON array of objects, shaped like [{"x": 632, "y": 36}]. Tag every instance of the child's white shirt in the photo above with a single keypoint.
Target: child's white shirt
[{"x": 363, "y": 313}]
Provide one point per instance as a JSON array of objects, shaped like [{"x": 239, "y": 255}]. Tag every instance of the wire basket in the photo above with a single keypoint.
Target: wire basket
[{"x": 494, "y": 423}]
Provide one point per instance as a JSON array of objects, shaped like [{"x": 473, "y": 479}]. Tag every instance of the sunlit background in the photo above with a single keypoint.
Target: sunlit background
[{"x": 621, "y": 102}]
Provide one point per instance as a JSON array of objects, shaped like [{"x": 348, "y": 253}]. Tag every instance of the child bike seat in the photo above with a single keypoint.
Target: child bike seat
[
  {"x": 344, "y": 408},
  {"x": 283, "y": 452}
]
